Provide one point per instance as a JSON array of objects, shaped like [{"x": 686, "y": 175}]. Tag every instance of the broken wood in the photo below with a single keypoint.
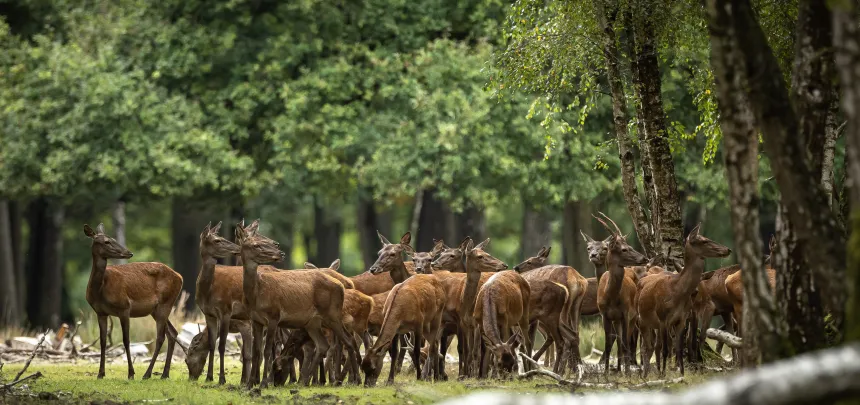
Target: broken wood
[
  {"x": 27, "y": 364},
  {"x": 725, "y": 337},
  {"x": 33, "y": 376}
]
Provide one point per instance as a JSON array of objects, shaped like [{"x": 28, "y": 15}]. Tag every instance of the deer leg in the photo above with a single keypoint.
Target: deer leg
[
  {"x": 633, "y": 341},
  {"x": 561, "y": 350},
  {"x": 486, "y": 356},
  {"x": 171, "y": 342},
  {"x": 608, "y": 331},
  {"x": 103, "y": 343},
  {"x": 665, "y": 348},
  {"x": 729, "y": 326},
  {"x": 246, "y": 353},
  {"x": 401, "y": 354},
  {"x": 624, "y": 347},
  {"x": 321, "y": 347},
  {"x": 417, "y": 344},
  {"x": 256, "y": 343},
  {"x": 268, "y": 351},
  {"x": 126, "y": 342},
  {"x": 224, "y": 328},
  {"x": 444, "y": 342},
  {"x": 679, "y": 342},
  {"x": 393, "y": 349},
  {"x": 212, "y": 331}
]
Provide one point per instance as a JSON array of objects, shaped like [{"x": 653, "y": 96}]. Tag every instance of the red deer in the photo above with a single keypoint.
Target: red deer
[
  {"x": 616, "y": 293},
  {"x": 502, "y": 307},
  {"x": 665, "y": 302},
  {"x": 416, "y": 306},
  {"x": 132, "y": 290},
  {"x": 294, "y": 299}
]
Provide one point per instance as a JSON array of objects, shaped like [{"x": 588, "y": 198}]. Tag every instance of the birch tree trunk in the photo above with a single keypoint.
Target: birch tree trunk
[{"x": 740, "y": 149}]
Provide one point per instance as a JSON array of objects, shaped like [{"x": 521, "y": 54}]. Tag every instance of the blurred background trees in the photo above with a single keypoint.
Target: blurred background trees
[{"x": 331, "y": 120}]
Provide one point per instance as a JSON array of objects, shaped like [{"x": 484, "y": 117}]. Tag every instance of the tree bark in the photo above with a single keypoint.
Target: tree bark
[
  {"x": 536, "y": 231},
  {"x": 186, "y": 223},
  {"x": 817, "y": 230},
  {"x": 235, "y": 214},
  {"x": 119, "y": 226},
  {"x": 16, "y": 219},
  {"x": 606, "y": 18},
  {"x": 576, "y": 217},
  {"x": 666, "y": 208},
  {"x": 45, "y": 263},
  {"x": 829, "y": 152},
  {"x": 10, "y": 315},
  {"x": 327, "y": 230},
  {"x": 370, "y": 219},
  {"x": 846, "y": 41},
  {"x": 469, "y": 222},
  {"x": 433, "y": 223},
  {"x": 762, "y": 329}
]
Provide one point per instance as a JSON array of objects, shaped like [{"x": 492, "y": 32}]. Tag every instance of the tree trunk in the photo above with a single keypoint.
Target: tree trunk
[
  {"x": 327, "y": 230},
  {"x": 577, "y": 217},
  {"x": 45, "y": 263},
  {"x": 469, "y": 222},
  {"x": 369, "y": 221},
  {"x": 536, "y": 232},
  {"x": 611, "y": 56},
  {"x": 829, "y": 152},
  {"x": 432, "y": 223},
  {"x": 119, "y": 226},
  {"x": 235, "y": 215},
  {"x": 846, "y": 41},
  {"x": 666, "y": 208},
  {"x": 186, "y": 223},
  {"x": 16, "y": 219},
  {"x": 761, "y": 326},
  {"x": 10, "y": 315},
  {"x": 817, "y": 230}
]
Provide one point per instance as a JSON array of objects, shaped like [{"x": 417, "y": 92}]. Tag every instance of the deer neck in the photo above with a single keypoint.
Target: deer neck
[
  {"x": 616, "y": 277},
  {"x": 97, "y": 274},
  {"x": 470, "y": 291},
  {"x": 689, "y": 279},
  {"x": 206, "y": 278},
  {"x": 399, "y": 273},
  {"x": 249, "y": 282}
]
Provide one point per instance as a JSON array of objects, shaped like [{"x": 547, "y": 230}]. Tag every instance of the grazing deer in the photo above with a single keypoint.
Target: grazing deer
[
  {"x": 132, "y": 290},
  {"x": 575, "y": 286},
  {"x": 416, "y": 306},
  {"x": 664, "y": 302},
  {"x": 198, "y": 350},
  {"x": 295, "y": 299},
  {"x": 616, "y": 293},
  {"x": 503, "y": 306}
]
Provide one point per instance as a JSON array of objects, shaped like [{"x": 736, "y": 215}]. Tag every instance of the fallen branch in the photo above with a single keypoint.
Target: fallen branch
[
  {"x": 658, "y": 383},
  {"x": 725, "y": 337},
  {"x": 35, "y": 349},
  {"x": 819, "y": 377},
  {"x": 33, "y": 376},
  {"x": 544, "y": 372}
]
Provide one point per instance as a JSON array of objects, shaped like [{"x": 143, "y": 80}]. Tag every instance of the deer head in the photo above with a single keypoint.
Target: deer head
[
  {"x": 423, "y": 260},
  {"x": 195, "y": 358},
  {"x": 391, "y": 254},
  {"x": 451, "y": 258},
  {"x": 534, "y": 262},
  {"x": 371, "y": 365},
  {"x": 104, "y": 246},
  {"x": 478, "y": 259},
  {"x": 212, "y": 244},
  {"x": 597, "y": 249},
  {"x": 258, "y": 248},
  {"x": 618, "y": 250},
  {"x": 505, "y": 354},
  {"x": 704, "y": 247}
]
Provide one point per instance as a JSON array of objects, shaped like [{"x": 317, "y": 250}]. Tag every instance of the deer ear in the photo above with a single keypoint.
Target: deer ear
[
  {"x": 609, "y": 239},
  {"x": 254, "y": 227},
  {"x": 335, "y": 264},
  {"x": 588, "y": 239},
  {"x": 309, "y": 265},
  {"x": 470, "y": 244},
  {"x": 695, "y": 231},
  {"x": 408, "y": 249},
  {"x": 545, "y": 252},
  {"x": 89, "y": 231},
  {"x": 437, "y": 248},
  {"x": 483, "y": 245},
  {"x": 240, "y": 234},
  {"x": 101, "y": 228},
  {"x": 465, "y": 245},
  {"x": 382, "y": 239},
  {"x": 406, "y": 238},
  {"x": 216, "y": 229}
]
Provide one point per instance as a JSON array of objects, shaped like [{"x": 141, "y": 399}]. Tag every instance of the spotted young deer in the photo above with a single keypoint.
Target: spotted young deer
[
  {"x": 132, "y": 290},
  {"x": 616, "y": 293},
  {"x": 665, "y": 299}
]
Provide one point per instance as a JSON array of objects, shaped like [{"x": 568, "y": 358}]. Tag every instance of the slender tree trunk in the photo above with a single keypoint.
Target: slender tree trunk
[
  {"x": 186, "y": 223},
  {"x": 536, "y": 231},
  {"x": 469, "y": 222},
  {"x": 370, "y": 220},
  {"x": 607, "y": 18},
  {"x": 762, "y": 328},
  {"x": 817, "y": 230},
  {"x": 433, "y": 223},
  {"x": 327, "y": 230},
  {"x": 829, "y": 152},
  {"x": 235, "y": 214},
  {"x": 119, "y": 226},
  {"x": 45, "y": 263},
  {"x": 846, "y": 41},
  {"x": 10, "y": 315},
  {"x": 576, "y": 217},
  {"x": 16, "y": 219},
  {"x": 666, "y": 208}
]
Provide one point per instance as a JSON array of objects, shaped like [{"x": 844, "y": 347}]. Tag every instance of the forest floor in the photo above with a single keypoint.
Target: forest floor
[{"x": 77, "y": 383}]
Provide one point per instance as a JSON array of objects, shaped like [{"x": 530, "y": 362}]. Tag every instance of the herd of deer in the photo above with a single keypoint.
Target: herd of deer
[{"x": 315, "y": 316}]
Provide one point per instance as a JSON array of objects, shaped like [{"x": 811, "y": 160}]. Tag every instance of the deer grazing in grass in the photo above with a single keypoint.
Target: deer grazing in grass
[
  {"x": 416, "y": 306},
  {"x": 558, "y": 320},
  {"x": 665, "y": 299},
  {"x": 503, "y": 307},
  {"x": 131, "y": 290},
  {"x": 309, "y": 300},
  {"x": 616, "y": 293}
]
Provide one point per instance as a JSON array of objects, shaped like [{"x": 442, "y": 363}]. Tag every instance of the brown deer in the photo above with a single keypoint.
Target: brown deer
[
  {"x": 664, "y": 302},
  {"x": 132, "y": 290},
  {"x": 575, "y": 285},
  {"x": 416, "y": 306},
  {"x": 198, "y": 350},
  {"x": 294, "y": 299},
  {"x": 502, "y": 307},
  {"x": 616, "y": 293}
]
